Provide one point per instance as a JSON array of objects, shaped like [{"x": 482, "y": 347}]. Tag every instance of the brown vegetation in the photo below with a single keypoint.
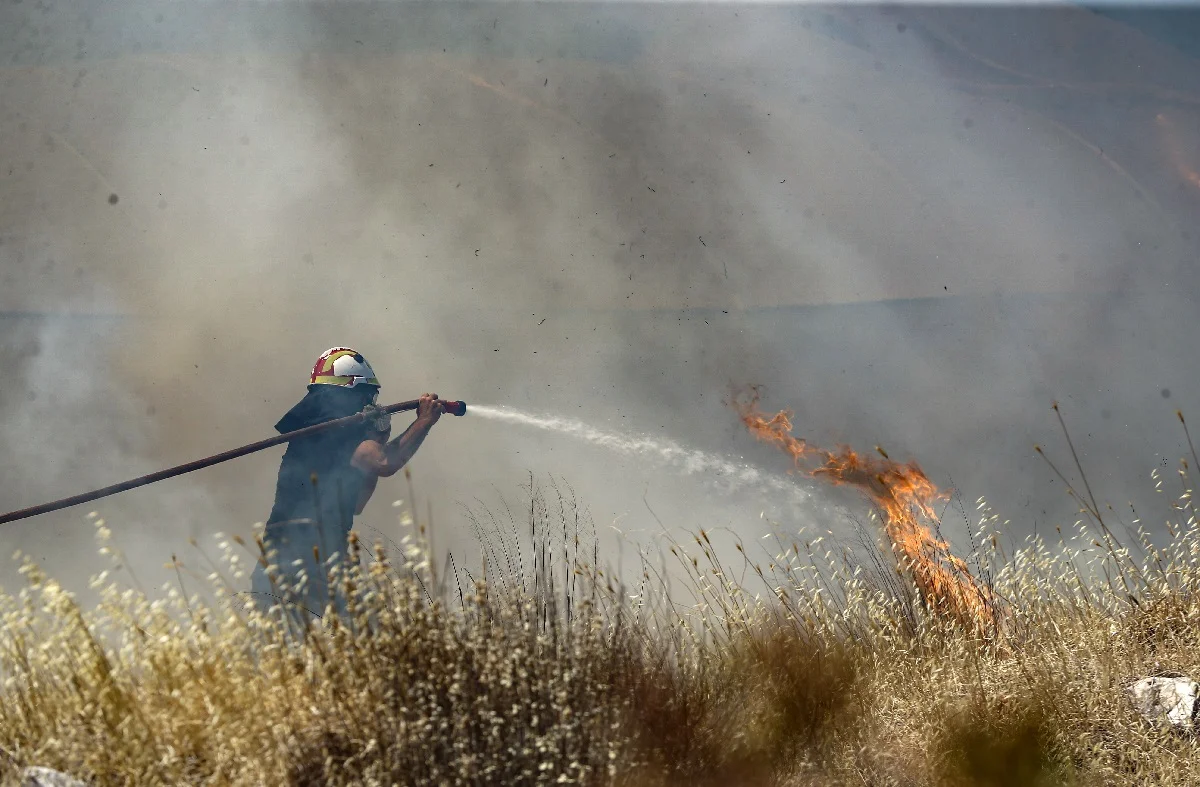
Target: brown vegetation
[{"x": 807, "y": 664}]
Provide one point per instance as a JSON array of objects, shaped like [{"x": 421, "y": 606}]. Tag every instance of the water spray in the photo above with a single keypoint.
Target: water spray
[
  {"x": 453, "y": 408},
  {"x": 689, "y": 460}
]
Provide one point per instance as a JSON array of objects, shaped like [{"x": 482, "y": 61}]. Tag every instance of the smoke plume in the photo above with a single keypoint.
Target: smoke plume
[{"x": 914, "y": 227}]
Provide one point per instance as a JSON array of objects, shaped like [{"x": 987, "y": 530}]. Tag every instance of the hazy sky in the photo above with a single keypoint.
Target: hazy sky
[{"x": 916, "y": 227}]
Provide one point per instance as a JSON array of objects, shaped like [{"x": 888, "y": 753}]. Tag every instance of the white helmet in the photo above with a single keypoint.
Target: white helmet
[{"x": 344, "y": 367}]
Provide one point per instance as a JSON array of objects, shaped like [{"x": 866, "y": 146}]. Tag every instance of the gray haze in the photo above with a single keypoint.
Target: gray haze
[{"x": 915, "y": 227}]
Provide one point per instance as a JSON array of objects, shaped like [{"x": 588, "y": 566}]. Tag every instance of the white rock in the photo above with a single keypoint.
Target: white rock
[
  {"x": 47, "y": 777},
  {"x": 1173, "y": 698}
]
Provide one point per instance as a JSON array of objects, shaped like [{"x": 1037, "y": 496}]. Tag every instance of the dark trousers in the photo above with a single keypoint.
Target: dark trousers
[{"x": 289, "y": 546}]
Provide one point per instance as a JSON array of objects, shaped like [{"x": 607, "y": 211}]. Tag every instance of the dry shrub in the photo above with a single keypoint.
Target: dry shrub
[
  {"x": 1001, "y": 745},
  {"x": 797, "y": 695},
  {"x": 773, "y": 702}
]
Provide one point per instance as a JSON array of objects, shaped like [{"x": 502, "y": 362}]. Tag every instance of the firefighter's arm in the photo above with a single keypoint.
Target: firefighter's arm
[{"x": 376, "y": 459}]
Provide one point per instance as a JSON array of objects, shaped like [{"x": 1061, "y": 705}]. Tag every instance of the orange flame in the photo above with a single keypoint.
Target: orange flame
[{"x": 905, "y": 496}]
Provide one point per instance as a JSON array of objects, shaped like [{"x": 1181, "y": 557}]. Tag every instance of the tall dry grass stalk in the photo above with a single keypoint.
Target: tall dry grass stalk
[{"x": 799, "y": 659}]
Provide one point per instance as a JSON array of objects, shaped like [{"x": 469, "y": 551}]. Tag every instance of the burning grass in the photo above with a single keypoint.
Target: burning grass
[
  {"x": 798, "y": 661},
  {"x": 905, "y": 498}
]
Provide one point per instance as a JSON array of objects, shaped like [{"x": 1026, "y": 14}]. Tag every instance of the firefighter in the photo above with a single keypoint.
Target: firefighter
[{"x": 327, "y": 478}]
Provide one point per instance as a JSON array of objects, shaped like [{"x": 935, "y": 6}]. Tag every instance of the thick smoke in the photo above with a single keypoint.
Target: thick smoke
[{"x": 915, "y": 227}]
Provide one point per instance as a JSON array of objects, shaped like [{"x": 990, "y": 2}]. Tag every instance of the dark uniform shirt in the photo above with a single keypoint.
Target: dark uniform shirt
[{"x": 316, "y": 479}]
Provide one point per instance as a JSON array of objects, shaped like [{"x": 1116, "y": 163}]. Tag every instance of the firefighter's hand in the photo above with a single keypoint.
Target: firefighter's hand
[{"x": 429, "y": 409}]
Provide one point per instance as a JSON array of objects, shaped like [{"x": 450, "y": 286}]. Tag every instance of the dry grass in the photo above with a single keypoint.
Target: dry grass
[{"x": 805, "y": 662}]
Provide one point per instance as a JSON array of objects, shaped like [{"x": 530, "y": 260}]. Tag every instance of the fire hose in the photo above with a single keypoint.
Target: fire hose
[{"x": 453, "y": 408}]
